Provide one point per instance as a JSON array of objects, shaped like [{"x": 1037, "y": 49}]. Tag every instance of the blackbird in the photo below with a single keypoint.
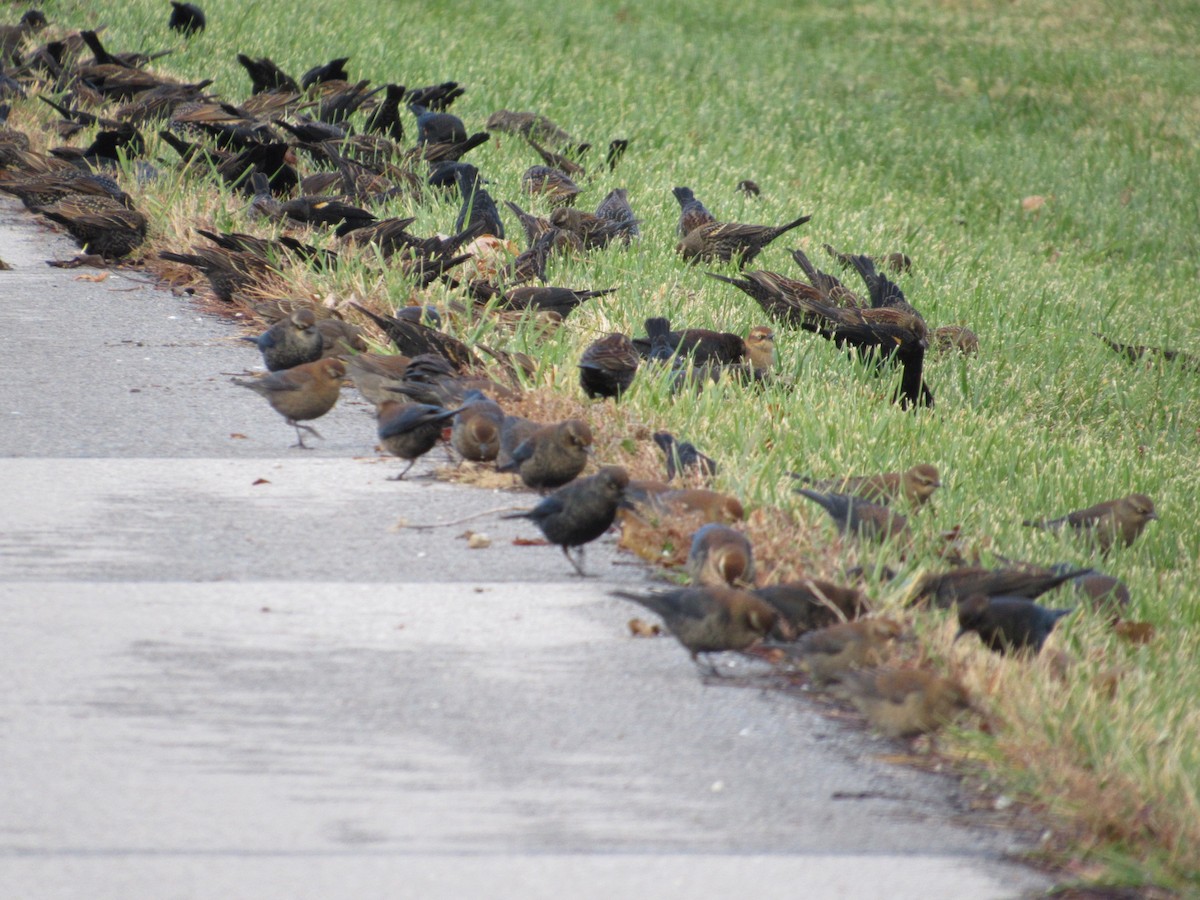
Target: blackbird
[
  {"x": 1134, "y": 352},
  {"x": 559, "y": 300},
  {"x": 683, "y": 457},
  {"x": 476, "y": 431},
  {"x": 905, "y": 702},
  {"x": 563, "y": 164},
  {"x": 410, "y": 430},
  {"x": 615, "y": 208},
  {"x": 692, "y": 213},
  {"x": 707, "y": 347},
  {"x": 228, "y": 272},
  {"x": 98, "y": 224},
  {"x": 812, "y": 603},
  {"x": 548, "y": 182},
  {"x": 291, "y": 341},
  {"x": 580, "y": 512},
  {"x": 945, "y": 589},
  {"x": 552, "y": 455},
  {"x": 385, "y": 118},
  {"x": 915, "y": 485},
  {"x": 186, "y": 18},
  {"x": 1107, "y": 593},
  {"x": 1108, "y": 523},
  {"x": 710, "y": 619},
  {"x": 720, "y": 555},
  {"x": 301, "y": 393},
  {"x": 1008, "y": 624},
  {"x": 478, "y": 208},
  {"x": 607, "y": 366},
  {"x": 829, "y": 653},
  {"x": 712, "y": 506},
  {"x": 725, "y": 240},
  {"x": 853, "y": 515},
  {"x": 592, "y": 230}
]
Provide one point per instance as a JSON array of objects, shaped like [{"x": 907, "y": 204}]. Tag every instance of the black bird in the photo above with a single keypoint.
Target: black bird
[
  {"x": 692, "y": 213},
  {"x": 607, "y": 366},
  {"x": 385, "y": 119},
  {"x": 291, "y": 341},
  {"x": 99, "y": 224},
  {"x": 266, "y": 76},
  {"x": 1007, "y": 624},
  {"x": 548, "y": 299},
  {"x": 947, "y": 588},
  {"x": 616, "y": 150},
  {"x": 853, "y": 515},
  {"x": 478, "y": 208},
  {"x": 334, "y": 70},
  {"x": 437, "y": 127},
  {"x": 410, "y": 430},
  {"x": 580, "y": 512},
  {"x": 415, "y": 338},
  {"x": 186, "y": 18},
  {"x": 724, "y": 241},
  {"x": 683, "y": 457}
]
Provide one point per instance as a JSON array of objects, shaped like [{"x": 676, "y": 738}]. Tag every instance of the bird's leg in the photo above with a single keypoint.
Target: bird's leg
[
  {"x": 299, "y": 437},
  {"x": 707, "y": 667},
  {"x": 400, "y": 477},
  {"x": 578, "y": 565}
]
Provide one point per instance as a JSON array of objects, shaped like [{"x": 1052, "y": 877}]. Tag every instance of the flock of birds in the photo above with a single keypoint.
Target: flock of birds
[{"x": 320, "y": 152}]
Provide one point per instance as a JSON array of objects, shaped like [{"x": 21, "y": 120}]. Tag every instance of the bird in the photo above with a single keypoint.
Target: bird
[
  {"x": 853, "y": 515},
  {"x": 812, "y": 603},
  {"x": 615, "y": 208},
  {"x": 592, "y": 230},
  {"x": 546, "y": 181},
  {"x": 560, "y": 300},
  {"x": 1108, "y": 523},
  {"x": 709, "y": 619},
  {"x": 749, "y": 187},
  {"x": 707, "y": 347},
  {"x": 1135, "y": 352},
  {"x": 1007, "y": 624},
  {"x": 301, "y": 393},
  {"x": 410, "y": 430},
  {"x": 551, "y": 455},
  {"x": 725, "y": 240},
  {"x": 98, "y": 224},
  {"x": 830, "y": 652},
  {"x": 229, "y": 272},
  {"x": 683, "y": 457},
  {"x": 905, "y": 702},
  {"x": 608, "y": 365},
  {"x": 291, "y": 341},
  {"x": 914, "y": 485},
  {"x": 579, "y": 513},
  {"x": 945, "y": 589},
  {"x": 478, "y": 209},
  {"x": 186, "y": 18},
  {"x": 1106, "y": 592},
  {"x": 661, "y": 500},
  {"x": 692, "y": 213},
  {"x": 720, "y": 555},
  {"x": 476, "y": 430}
]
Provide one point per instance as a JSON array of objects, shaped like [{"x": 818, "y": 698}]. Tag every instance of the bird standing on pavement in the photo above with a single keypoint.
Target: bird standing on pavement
[
  {"x": 580, "y": 512},
  {"x": 551, "y": 455},
  {"x": 290, "y": 342},
  {"x": 476, "y": 431},
  {"x": 301, "y": 393},
  {"x": 410, "y": 430}
]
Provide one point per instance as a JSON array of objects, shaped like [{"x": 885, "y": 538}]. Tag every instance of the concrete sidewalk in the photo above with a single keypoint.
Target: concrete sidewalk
[{"x": 228, "y": 674}]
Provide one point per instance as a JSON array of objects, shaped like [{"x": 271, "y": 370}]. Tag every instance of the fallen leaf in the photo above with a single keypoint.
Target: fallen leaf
[
  {"x": 98, "y": 277},
  {"x": 237, "y": 437},
  {"x": 1033, "y": 203},
  {"x": 259, "y": 481},
  {"x": 530, "y": 542},
  {"x": 642, "y": 628}
]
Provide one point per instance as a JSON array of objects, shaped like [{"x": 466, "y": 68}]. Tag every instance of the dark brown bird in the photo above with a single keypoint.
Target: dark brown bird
[
  {"x": 905, "y": 702},
  {"x": 559, "y": 300},
  {"x": 692, "y": 213},
  {"x": 615, "y": 208},
  {"x": 749, "y": 188},
  {"x": 528, "y": 124},
  {"x": 853, "y": 515},
  {"x": 410, "y": 430},
  {"x": 829, "y": 653},
  {"x": 1112, "y": 522},
  {"x": 707, "y": 347},
  {"x": 552, "y": 455},
  {"x": 945, "y": 589},
  {"x": 914, "y": 486},
  {"x": 229, "y": 273},
  {"x": 684, "y": 457},
  {"x": 580, "y": 512},
  {"x": 478, "y": 209},
  {"x": 556, "y": 186},
  {"x": 712, "y": 506},
  {"x": 302, "y": 393},
  {"x": 710, "y": 619},
  {"x": 812, "y": 603},
  {"x": 725, "y": 240},
  {"x": 186, "y": 18},
  {"x": 608, "y": 365},
  {"x": 290, "y": 342},
  {"x": 1135, "y": 352},
  {"x": 720, "y": 555},
  {"x": 1008, "y": 624},
  {"x": 557, "y": 161},
  {"x": 476, "y": 431},
  {"x": 591, "y": 229},
  {"x": 98, "y": 224},
  {"x": 414, "y": 338},
  {"x": 956, "y": 337}
]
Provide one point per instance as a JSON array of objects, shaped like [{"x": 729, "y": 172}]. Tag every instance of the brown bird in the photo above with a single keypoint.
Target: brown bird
[
  {"x": 1007, "y": 624},
  {"x": 692, "y": 213},
  {"x": 373, "y": 373},
  {"x": 829, "y": 653},
  {"x": 1108, "y": 523},
  {"x": 302, "y": 393},
  {"x": 725, "y": 240},
  {"x": 410, "y": 430},
  {"x": 945, "y": 589},
  {"x": 905, "y": 702},
  {"x": 556, "y": 186},
  {"x": 99, "y": 224},
  {"x": 956, "y": 337},
  {"x": 414, "y": 338},
  {"x": 228, "y": 272},
  {"x": 476, "y": 431},
  {"x": 707, "y": 347},
  {"x": 915, "y": 485},
  {"x": 720, "y": 555},
  {"x": 853, "y": 515},
  {"x": 580, "y": 512},
  {"x": 710, "y": 619},
  {"x": 290, "y": 342},
  {"x": 552, "y": 455},
  {"x": 1135, "y": 352},
  {"x": 615, "y": 207},
  {"x": 607, "y": 366},
  {"x": 812, "y": 603},
  {"x": 712, "y": 506},
  {"x": 591, "y": 229},
  {"x": 1107, "y": 593}
]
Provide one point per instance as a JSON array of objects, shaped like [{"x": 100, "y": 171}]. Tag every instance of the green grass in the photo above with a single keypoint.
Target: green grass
[{"x": 918, "y": 129}]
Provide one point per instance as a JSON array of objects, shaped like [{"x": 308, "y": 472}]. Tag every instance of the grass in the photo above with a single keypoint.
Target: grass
[{"x": 920, "y": 129}]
